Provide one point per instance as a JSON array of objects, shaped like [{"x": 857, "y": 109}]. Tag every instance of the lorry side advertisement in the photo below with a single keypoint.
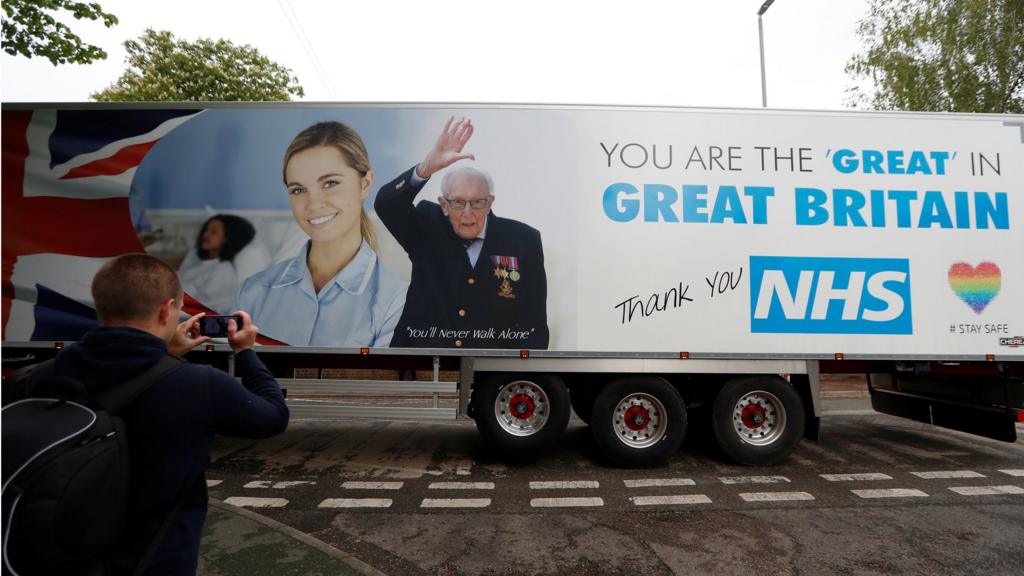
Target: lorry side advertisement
[{"x": 566, "y": 229}]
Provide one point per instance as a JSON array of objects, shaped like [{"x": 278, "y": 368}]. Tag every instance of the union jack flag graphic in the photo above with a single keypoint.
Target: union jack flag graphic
[{"x": 66, "y": 181}]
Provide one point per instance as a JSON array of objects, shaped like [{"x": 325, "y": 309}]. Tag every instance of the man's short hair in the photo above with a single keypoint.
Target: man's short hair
[
  {"x": 132, "y": 287},
  {"x": 467, "y": 172}
]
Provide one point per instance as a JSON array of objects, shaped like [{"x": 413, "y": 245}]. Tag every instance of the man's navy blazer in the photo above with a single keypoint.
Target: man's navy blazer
[{"x": 499, "y": 303}]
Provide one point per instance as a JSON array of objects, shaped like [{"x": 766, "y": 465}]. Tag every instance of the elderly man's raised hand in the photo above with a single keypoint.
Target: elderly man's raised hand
[{"x": 448, "y": 148}]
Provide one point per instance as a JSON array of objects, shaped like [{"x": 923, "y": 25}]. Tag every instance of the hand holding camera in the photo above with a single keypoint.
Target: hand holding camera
[
  {"x": 186, "y": 337},
  {"x": 241, "y": 336},
  {"x": 237, "y": 328}
]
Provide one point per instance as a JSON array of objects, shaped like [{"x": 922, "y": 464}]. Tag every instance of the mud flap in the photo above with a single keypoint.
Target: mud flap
[{"x": 989, "y": 422}]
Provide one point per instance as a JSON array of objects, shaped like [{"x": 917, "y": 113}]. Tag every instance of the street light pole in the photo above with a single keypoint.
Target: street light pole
[{"x": 760, "y": 36}]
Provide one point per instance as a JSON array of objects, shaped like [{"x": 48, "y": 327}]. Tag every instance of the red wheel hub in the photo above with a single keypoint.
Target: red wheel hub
[
  {"x": 521, "y": 406},
  {"x": 637, "y": 418},
  {"x": 753, "y": 416}
]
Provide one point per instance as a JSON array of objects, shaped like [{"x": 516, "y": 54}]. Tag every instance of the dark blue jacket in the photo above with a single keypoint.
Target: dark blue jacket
[
  {"x": 169, "y": 428},
  {"x": 499, "y": 303}
]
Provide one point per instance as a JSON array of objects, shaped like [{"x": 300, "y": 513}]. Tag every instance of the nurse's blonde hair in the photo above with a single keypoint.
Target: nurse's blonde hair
[{"x": 352, "y": 148}]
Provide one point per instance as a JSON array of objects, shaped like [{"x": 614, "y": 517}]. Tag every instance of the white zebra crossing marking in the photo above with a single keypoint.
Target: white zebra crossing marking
[
  {"x": 855, "y": 477},
  {"x": 670, "y": 500},
  {"x": 656, "y": 482},
  {"x": 246, "y": 502},
  {"x": 987, "y": 490},
  {"x": 890, "y": 493},
  {"x": 775, "y": 496},
  {"x": 565, "y": 485},
  {"x": 461, "y": 486},
  {"x": 356, "y": 503},
  {"x": 373, "y": 485},
  {"x": 290, "y": 483},
  {"x": 276, "y": 485},
  {"x": 753, "y": 479},
  {"x": 945, "y": 474},
  {"x": 565, "y": 502},
  {"x": 455, "y": 503}
]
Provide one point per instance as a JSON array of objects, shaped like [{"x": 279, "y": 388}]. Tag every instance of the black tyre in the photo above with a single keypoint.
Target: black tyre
[
  {"x": 521, "y": 415},
  {"x": 758, "y": 420},
  {"x": 638, "y": 422}
]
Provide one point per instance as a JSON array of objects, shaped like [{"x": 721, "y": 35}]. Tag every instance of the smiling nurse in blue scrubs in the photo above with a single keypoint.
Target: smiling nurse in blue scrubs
[{"x": 335, "y": 292}]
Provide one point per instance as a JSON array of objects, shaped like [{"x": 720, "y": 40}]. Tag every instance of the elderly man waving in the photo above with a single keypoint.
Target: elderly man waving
[{"x": 478, "y": 279}]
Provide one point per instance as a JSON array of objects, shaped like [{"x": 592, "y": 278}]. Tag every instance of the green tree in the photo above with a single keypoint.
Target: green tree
[
  {"x": 941, "y": 55},
  {"x": 30, "y": 30},
  {"x": 161, "y": 68}
]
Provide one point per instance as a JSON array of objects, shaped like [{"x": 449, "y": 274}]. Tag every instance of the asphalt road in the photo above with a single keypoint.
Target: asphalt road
[{"x": 877, "y": 495}]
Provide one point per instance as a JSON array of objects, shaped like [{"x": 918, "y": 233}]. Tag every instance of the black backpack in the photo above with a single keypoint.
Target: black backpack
[{"x": 65, "y": 473}]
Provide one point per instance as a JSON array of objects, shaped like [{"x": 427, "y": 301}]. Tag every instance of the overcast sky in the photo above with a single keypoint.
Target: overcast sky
[{"x": 643, "y": 52}]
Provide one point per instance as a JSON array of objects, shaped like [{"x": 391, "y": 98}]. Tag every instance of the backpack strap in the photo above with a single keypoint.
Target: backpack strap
[
  {"x": 116, "y": 397},
  {"x": 40, "y": 380}
]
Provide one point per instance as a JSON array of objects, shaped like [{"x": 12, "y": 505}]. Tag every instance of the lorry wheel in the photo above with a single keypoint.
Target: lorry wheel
[
  {"x": 758, "y": 420},
  {"x": 638, "y": 421},
  {"x": 521, "y": 414}
]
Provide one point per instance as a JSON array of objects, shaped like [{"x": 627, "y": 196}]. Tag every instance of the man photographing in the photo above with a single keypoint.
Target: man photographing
[
  {"x": 478, "y": 280},
  {"x": 170, "y": 424}
]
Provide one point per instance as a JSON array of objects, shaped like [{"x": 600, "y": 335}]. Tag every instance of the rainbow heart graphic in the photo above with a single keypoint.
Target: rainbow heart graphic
[{"x": 975, "y": 286}]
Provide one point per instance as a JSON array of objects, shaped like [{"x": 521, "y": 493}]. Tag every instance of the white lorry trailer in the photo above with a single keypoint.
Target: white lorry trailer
[{"x": 637, "y": 264}]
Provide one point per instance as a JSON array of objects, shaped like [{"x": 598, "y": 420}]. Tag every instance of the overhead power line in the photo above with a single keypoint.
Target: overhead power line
[{"x": 300, "y": 33}]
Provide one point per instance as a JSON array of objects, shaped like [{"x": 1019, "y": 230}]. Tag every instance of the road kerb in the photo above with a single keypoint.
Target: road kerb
[{"x": 301, "y": 537}]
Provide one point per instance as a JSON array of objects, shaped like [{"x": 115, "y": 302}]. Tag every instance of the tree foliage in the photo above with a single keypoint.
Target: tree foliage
[
  {"x": 161, "y": 68},
  {"x": 30, "y": 29},
  {"x": 941, "y": 55}
]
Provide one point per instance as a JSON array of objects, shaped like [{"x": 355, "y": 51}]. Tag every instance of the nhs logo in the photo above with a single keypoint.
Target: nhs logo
[{"x": 830, "y": 295}]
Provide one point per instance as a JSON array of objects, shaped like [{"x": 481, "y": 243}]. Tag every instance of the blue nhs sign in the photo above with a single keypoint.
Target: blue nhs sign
[{"x": 830, "y": 295}]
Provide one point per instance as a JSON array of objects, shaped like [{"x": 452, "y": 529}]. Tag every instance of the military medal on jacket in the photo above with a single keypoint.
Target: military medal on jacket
[{"x": 506, "y": 268}]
